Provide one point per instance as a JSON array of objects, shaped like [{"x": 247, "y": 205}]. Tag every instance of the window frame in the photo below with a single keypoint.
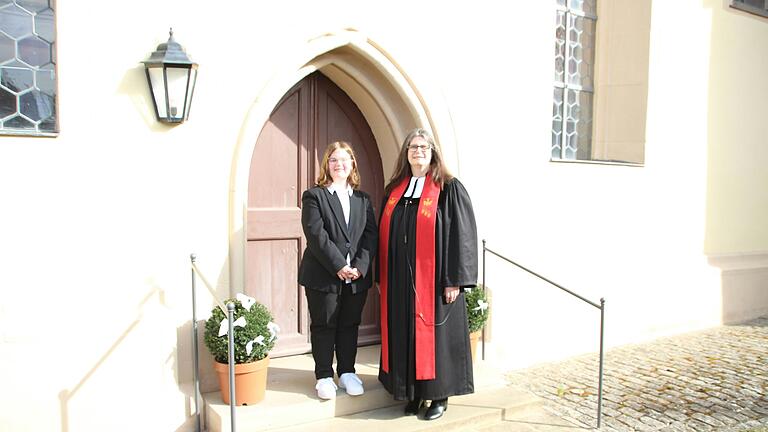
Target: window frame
[
  {"x": 52, "y": 6},
  {"x": 736, "y": 4},
  {"x": 565, "y": 87},
  {"x": 620, "y": 81}
]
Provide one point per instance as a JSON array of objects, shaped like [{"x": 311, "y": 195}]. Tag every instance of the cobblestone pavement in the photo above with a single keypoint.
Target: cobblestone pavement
[{"x": 711, "y": 380}]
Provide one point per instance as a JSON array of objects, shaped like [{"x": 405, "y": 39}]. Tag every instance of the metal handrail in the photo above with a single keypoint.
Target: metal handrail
[
  {"x": 229, "y": 311},
  {"x": 600, "y": 306}
]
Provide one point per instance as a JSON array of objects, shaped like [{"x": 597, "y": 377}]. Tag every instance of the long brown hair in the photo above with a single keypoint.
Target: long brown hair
[
  {"x": 437, "y": 168},
  {"x": 324, "y": 179}
]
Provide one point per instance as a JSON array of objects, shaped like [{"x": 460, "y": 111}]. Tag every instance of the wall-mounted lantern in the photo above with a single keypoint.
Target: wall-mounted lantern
[{"x": 171, "y": 76}]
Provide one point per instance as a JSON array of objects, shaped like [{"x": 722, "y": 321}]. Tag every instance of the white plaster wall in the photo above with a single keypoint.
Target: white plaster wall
[
  {"x": 737, "y": 206},
  {"x": 101, "y": 220},
  {"x": 98, "y": 223},
  {"x": 637, "y": 236}
]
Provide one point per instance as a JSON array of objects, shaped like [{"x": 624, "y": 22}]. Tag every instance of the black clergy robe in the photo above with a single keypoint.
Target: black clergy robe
[{"x": 456, "y": 265}]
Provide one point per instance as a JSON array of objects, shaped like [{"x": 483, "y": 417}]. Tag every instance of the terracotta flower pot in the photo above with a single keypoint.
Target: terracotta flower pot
[
  {"x": 250, "y": 381},
  {"x": 474, "y": 337}
]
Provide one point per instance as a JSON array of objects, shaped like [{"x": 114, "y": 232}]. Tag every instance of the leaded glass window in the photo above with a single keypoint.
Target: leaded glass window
[
  {"x": 27, "y": 67},
  {"x": 757, "y": 7},
  {"x": 574, "y": 79}
]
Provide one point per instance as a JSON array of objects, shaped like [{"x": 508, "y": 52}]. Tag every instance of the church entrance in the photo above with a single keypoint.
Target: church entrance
[{"x": 285, "y": 162}]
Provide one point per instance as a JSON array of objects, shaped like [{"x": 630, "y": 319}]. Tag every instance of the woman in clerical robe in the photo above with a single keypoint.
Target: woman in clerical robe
[{"x": 427, "y": 257}]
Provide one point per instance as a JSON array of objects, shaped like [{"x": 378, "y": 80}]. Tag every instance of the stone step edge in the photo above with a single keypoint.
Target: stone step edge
[
  {"x": 270, "y": 416},
  {"x": 479, "y": 409},
  {"x": 279, "y": 410}
]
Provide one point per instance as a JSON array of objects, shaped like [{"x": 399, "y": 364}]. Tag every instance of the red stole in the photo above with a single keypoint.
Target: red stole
[{"x": 424, "y": 276}]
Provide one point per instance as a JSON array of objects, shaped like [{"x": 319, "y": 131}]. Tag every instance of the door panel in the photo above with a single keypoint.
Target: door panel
[
  {"x": 278, "y": 175},
  {"x": 285, "y": 162},
  {"x": 277, "y": 223},
  {"x": 339, "y": 119},
  {"x": 275, "y": 161},
  {"x": 278, "y": 269}
]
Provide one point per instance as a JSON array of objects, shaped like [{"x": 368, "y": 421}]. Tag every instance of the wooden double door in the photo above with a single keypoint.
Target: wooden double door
[{"x": 285, "y": 162}]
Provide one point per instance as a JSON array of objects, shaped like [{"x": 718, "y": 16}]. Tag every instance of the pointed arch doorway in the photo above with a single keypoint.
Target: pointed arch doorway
[{"x": 284, "y": 163}]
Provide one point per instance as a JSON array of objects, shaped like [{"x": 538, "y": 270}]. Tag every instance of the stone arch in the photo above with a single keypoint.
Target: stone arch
[{"x": 388, "y": 98}]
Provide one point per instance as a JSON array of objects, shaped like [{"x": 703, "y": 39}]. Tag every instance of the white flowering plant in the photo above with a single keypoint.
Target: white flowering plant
[
  {"x": 255, "y": 331},
  {"x": 477, "y": 308}
]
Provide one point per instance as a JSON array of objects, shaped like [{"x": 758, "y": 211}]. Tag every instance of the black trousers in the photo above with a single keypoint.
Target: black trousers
[{"x": 335, "y": 319}]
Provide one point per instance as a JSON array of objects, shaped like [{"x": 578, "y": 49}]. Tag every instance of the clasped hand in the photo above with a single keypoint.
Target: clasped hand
[{"x": 348, "y": 272}]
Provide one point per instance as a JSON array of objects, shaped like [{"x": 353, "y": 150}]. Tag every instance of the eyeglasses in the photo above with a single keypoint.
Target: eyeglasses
[
  {"x": 335, "y": 161},
  {"x": 414, "y": 147}
]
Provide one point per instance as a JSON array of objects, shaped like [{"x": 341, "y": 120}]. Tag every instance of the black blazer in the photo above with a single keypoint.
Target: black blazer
[{"x": 329, "y": 239}]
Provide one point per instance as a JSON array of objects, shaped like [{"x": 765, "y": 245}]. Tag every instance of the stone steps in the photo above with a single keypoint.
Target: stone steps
[
  {"x": 291, "y": 404},
  {"x": 482, "y": 409}
]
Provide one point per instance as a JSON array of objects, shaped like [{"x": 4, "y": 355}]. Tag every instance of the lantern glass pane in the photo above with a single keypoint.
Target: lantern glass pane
[
  {"x": 190, "y": 90},
  {"x": 158, "y": 90},
  {"x": 177, "y": 91}
]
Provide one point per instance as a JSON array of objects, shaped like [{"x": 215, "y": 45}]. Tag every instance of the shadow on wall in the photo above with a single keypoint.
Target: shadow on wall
[
  {"x": 67, "y": 394},
  {"x": 141, "y": 100},
  {"x": 184, "y": 354},
  {"x": 185, "y": 371}
]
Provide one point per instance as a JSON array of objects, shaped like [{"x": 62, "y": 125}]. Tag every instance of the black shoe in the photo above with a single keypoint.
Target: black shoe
[
  {"x": 436, "y": 409},
  {"x": 412, "y": 407}
]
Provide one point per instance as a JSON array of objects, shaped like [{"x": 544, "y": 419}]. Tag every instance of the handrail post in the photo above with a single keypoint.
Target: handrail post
[
  {"x": 484, "y": 292},
  {"x": 231, "y": 349},
  {"x": 195, "y": 354},
  {"x": 600, "y": 382}
]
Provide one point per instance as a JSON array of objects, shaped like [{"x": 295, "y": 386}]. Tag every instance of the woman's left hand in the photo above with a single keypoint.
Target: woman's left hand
[
  {"x": 355, "y": 273},
  {"x": 451, "y": 294}
]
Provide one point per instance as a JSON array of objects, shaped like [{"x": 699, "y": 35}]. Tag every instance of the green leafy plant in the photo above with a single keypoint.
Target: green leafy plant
[
  {"x": 255, "y": 332},
  {"x": 477, "y": 308}
]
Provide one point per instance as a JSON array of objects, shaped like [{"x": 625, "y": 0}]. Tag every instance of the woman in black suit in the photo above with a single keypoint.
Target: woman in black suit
[{"x": 342, "y": 236}]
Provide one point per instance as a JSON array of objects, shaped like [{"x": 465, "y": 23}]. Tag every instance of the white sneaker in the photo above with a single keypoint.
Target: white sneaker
[
  {"x": 352, "y": 383},
  {"x": 326, "y": 388}
]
